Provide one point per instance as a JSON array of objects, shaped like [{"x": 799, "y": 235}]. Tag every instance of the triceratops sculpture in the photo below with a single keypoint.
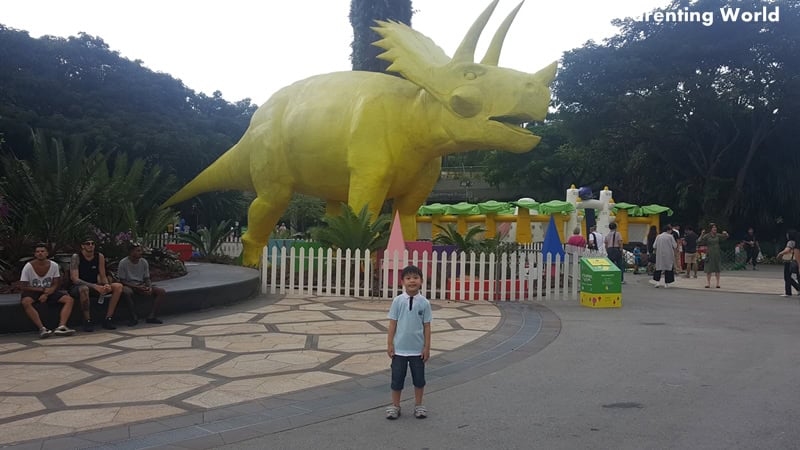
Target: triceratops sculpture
[{"x": 364, "y": 137}]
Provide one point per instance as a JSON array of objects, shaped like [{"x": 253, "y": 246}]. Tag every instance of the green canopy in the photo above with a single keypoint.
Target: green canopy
[
  {"x": 462, "y": 209},
  {"x": 655, "y": 209},
  {"x": 495, "y": 207},
  {"x": 433, "y": 208},
  {"x": 556, "y": 206},
  {"x": 633, "y": 210},
  {"x": 527, "y": 204}
]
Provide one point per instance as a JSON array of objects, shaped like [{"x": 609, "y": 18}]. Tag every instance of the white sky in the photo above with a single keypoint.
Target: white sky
[{"x": 252, "y": 48}]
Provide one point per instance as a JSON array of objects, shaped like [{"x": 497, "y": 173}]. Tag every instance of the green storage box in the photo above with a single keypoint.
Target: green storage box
[{"x": 601, "y": 284}]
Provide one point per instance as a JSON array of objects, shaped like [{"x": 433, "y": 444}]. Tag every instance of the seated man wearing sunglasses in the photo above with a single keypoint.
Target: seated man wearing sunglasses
[{"x": 88, "y": 274}]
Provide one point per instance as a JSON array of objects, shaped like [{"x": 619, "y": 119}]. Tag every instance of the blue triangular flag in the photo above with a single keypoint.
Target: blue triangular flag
[{"x": 552, "y": 243}]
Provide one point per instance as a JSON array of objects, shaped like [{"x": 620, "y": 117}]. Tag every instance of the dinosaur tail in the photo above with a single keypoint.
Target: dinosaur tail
[{"x": 231, "y": 171}]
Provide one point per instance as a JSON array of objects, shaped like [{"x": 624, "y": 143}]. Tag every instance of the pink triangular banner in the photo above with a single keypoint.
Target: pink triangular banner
[{"x": 396, "y": 241}]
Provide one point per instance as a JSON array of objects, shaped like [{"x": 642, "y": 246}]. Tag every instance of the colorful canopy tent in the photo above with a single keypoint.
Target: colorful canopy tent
[
  {"x": 495, "y": 207},
  {"x": 527, "y": 204}
]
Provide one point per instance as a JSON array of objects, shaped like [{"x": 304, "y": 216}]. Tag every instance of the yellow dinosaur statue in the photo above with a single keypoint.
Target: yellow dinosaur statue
[{"x": 364, "y": 137}]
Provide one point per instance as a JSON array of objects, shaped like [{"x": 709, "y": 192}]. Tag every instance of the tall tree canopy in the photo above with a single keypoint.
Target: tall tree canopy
[
  {"x": 701, "y": 118},
  {"x": 78, "y": 88},
  {"x": 363, "y": 14}
]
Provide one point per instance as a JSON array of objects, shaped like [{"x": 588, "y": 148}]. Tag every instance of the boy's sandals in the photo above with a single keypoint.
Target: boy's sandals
[
  {"x": 392, "y": 412},
  {"x": 420, "y": 412}
]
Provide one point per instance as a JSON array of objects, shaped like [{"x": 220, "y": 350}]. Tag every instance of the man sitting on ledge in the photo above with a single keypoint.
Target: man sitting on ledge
[
  {"x": 134, "y": 273},
  {"x": 88, "y": 273},
  {"x": 40, "y": 282}
]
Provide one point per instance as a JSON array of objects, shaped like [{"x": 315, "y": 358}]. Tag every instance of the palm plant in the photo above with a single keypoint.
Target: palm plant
[
  {"x": 208, "y": 240},
  {"x": 353, "y": 231},
  {"x": 450, "y": 236},
  {"x": 133, "y": 193},
  {"x": 49, "y": 196}
]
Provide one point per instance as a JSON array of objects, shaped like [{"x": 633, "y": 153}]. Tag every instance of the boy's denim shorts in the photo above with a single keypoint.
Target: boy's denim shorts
[{"x": 399, "y": 365}]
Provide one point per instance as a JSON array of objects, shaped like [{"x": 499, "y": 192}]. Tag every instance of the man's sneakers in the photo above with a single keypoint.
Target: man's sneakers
[
  {"x": 88, "y": 326},
  {"x": 108, "y": 324},
  {"x": 63, "y": 331},
  {"x": 154, "y": 320},
  {"x": 420, "y": 412},
  {"x": 392, "y": 412}
]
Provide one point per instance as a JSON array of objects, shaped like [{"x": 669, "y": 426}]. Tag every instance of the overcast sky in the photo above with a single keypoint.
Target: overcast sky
[{"x": 248, "y": 48}]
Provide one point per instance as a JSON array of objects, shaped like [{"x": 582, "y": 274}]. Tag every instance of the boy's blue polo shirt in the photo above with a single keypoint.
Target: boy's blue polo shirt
[{"x": 409, "y": 340}]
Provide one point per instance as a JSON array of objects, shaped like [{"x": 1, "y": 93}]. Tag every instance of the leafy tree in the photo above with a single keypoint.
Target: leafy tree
[
  {"x": 79, "y": 88},
  {"x": 688, "y": 113},
  {"x": 363, "y": 14},
  {"x": 353, "y": 231}
]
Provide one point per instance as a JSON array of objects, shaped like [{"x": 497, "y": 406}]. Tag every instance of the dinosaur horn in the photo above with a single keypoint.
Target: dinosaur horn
[
  {"x": 492, "y": 57},
  {"x": 466, "y": 50}
]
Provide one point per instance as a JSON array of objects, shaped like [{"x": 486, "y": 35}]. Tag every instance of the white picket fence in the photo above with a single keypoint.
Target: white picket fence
[{"x": 519, "y": 276}]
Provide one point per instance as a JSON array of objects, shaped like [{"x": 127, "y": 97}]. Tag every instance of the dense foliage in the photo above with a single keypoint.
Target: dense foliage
[
  {"x": 702, "y": 119},
  {"x": 363, "y": 14}
]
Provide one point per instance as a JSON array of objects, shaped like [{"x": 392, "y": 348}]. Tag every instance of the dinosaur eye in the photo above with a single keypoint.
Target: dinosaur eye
[{"x": 470, "y": 75}]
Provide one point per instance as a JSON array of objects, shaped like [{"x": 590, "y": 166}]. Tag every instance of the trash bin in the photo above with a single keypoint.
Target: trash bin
[{"x": 601, "y": 285}]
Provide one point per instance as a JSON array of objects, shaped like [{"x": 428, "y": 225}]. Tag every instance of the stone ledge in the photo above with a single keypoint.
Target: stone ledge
[{"x": 205, "y": 285}]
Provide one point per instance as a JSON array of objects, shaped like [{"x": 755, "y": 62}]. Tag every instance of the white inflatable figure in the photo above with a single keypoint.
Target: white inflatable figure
[{"x": 602, "y": 206}]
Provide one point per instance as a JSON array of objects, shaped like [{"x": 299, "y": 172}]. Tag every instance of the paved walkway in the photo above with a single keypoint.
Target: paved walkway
[
  {"x": 269, "y": 364},
  {"x": 233, "y": 373}
]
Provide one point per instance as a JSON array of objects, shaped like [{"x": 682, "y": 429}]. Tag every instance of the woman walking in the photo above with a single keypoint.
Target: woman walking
[
  {"x": 790, "y": 256},
  {"x": 713, "y": 262},
  {"x": 664, "y": 247}
]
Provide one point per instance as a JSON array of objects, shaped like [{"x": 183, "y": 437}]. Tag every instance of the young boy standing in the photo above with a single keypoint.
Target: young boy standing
[{"x": 409, "y": 341}]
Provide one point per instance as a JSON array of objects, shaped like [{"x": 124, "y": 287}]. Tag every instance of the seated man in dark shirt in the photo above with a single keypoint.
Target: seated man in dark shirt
[{"x": 88, "y": 274}]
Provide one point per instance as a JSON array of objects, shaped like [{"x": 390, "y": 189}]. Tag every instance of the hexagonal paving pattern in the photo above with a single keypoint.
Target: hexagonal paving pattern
[
  {"x": 333, "y": 327},
  {"x": 4, "y": 347},
  {"x": 364, "y": 364},
  {"x": 295, "y": 316},
  {"x": 36, "y": 377},
  {"x": 256, "y": 388},
  {"x": 65, "y": 422},
  {"x": 244, "y": 343},
  {"x": 157, "y": 341},
  {"x": 230, "y": 318},
  {"x": 156, "y": 361},
  {"x": 153, "y": 330},
  {"x": 216, "y": 361},
  {"x": 64, "y": 354},
  {"x": 132, "y": 388},
  {"x": 361, "y": 315},
  {"x": 15, "y": 406},
  {"x": 263, "y": 363},
  {"x": 348, "y": 343}
]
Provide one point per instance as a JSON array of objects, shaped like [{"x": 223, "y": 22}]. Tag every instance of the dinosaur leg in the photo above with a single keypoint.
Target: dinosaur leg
[
  {"x": 264, "y": 213},
  {"x": 408, "y": 204},
  {"x": 367, "y": 190}
]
